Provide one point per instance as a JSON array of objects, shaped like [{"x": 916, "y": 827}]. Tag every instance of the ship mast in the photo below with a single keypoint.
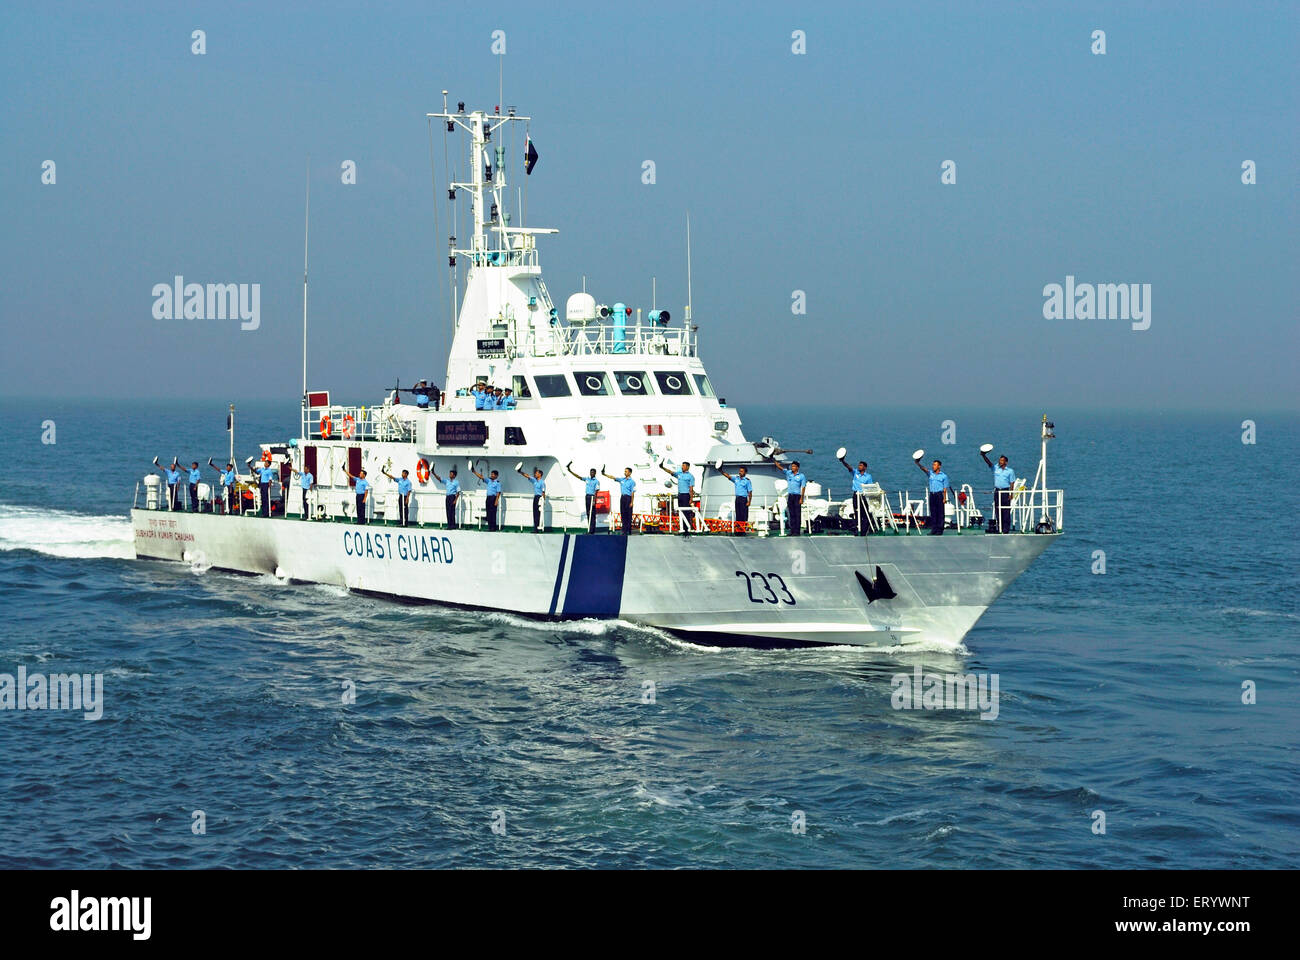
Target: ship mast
[{"x": 513, "y": 245}]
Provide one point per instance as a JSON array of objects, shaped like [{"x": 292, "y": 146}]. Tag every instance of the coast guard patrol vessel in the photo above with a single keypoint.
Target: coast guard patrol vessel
[{"x": 596, "y": 385}]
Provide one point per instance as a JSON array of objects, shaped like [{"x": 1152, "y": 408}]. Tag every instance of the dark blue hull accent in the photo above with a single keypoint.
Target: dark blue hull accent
[
  {"x": 559, "y": 574},
  {"x": 596, "y": 576}
]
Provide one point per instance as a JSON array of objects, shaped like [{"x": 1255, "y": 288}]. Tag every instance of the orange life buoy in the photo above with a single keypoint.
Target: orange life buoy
[
  {"x": 326, "y": 426},
  {"x": 349, "y": 425},
  {"x": 422, "y": 471}
]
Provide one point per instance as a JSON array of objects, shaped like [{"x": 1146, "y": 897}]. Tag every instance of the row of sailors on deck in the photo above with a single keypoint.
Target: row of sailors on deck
[
  {"x": 938, "y": 487},
  {"x": 492, "y": 398}
]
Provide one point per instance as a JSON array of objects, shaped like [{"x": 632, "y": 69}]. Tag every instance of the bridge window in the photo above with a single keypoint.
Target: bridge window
[
  {"x": 592, "y": 383},
  {"x": 552, "y": 385},
  {"x": 673, "y": 383},
  {"x": 632, "y": 382},
  {"x": 703, "y": 386},
  {"x": 520, "y": 387}
]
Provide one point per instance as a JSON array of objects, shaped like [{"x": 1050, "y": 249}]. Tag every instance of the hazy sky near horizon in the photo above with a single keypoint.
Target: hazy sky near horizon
[{"x": 817, "y": 172}]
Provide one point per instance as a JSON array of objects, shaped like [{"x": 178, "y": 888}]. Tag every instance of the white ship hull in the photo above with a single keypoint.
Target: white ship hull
[{"x": 711, "y": 588}]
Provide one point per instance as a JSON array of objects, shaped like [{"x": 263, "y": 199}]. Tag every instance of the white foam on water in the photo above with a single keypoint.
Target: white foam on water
[
  {"x": 586, "y": 628},
  {"x": 61, "y": 533},
  {"x": 684, "y": 646},
  {"x": 331, "y": 590},
  {"x": 599, "y": 628},
  {"x": 1251, "y": 612},
  {"x": 666, "y": 799},
  {"x": 907, "y": 816}
]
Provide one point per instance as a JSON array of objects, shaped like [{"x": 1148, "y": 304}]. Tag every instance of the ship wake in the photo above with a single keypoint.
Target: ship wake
[{"x": 61, "y": 533}]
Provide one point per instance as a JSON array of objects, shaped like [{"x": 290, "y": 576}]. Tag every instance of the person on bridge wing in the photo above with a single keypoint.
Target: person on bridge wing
[
  {"x": 744, "y": 496},
  {"x": 363, "y": 492},
  {"x": 539, "y": 494},
  {"x": 306, "y": 480},
  {"x": 685, "y": 492},
  {"x": 591, "y": 484},
  {"x": 403, "y": 493},
  {"x": 861, "y": 508},
  {"x": 173, "y": 475},
  {"x": 508, "y": 400},
  {"x": 453, "y": 493},
  {"x": 937, "y": 481},
  {"x": 493, "y": 495},
  {"x": 626, "y": 488},
  {"x": 1004, "y": 478}
]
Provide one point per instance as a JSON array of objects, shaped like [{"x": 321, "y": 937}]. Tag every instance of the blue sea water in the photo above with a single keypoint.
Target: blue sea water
[{"x": 1119, "y": 692}]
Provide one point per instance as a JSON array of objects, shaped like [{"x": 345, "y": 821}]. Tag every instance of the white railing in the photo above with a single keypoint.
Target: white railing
[
  {"x": 590, "y": 339},
  {"x": 1032, "y": 510},
  {"x": 342, "y": 423},
  {"x": 1029, "y": 508}
]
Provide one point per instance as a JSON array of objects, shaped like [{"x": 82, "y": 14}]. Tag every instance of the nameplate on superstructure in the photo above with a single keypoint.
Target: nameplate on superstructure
[
  {"x": 494, "y": 347},
  {"x": 461, "y": 433}
]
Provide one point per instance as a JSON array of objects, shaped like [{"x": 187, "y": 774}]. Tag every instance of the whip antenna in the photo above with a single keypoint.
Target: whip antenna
[{"x": 306, "y": 225}]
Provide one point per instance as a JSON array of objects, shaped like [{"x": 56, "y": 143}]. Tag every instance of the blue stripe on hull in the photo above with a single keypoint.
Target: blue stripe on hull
[
  {"x": 559, "y": 574},
  {"x": 596, "y": 576}
]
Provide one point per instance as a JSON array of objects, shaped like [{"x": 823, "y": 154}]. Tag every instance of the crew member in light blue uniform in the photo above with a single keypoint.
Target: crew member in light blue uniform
[
  {"x": 493, "y": 499},
  {"x": 685, "y": 493},
  {"x": 626, "y": 490},
  {"x": 509, "y": 400},
  {"x": 860, "y": 480},
  {"x": 403, "y": 494},
  {"x": 306, "y": 480},
  {"x": 228, "y": 480},
  {"x": 265, "y": 477},
  {"x": 480, "y": 396},
  {"x": 937, "y": 483},
  {"x": 1004, "y": 478},
  {"x": 173, "y": 477},
  {"x": 362, "y": 490},
  {"x": 744, "y": 495},
  {"x": 796, "y": 482},
  {"x": 453, "y": 494},
  {"x": 539, "y": 493},
  {"x": 591, "y": 484},
  {"x": 194, "y": 477}
]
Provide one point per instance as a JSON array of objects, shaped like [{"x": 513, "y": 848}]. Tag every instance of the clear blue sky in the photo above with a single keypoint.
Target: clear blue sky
[{"x": 818, "y": 172}]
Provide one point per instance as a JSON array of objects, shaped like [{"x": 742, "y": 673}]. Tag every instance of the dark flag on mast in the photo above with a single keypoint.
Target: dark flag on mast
[{"x": 530, "y": 157}]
